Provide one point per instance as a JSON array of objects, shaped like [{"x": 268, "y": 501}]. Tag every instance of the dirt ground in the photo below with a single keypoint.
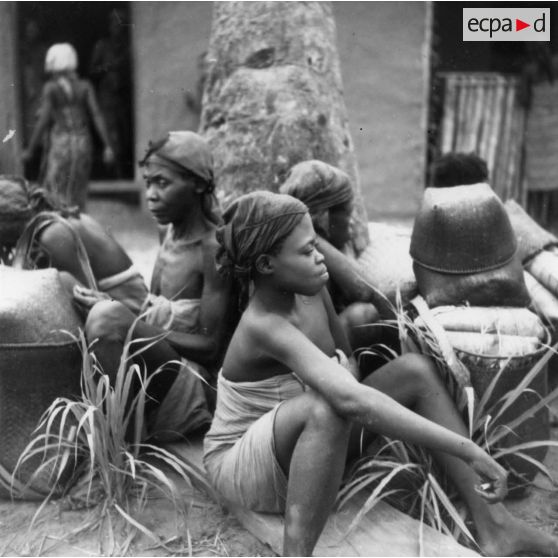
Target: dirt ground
[{"x": 209, "y": 530}]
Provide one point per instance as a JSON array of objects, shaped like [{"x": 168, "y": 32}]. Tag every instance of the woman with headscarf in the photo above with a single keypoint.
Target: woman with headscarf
[
  {"x": 288, "y": 399},
  {"x": 186, "y": 319},
  {"x": 327, "y": 192},
  {"x": 68, "y": 109},
  {"x": 38, "y": 231}
]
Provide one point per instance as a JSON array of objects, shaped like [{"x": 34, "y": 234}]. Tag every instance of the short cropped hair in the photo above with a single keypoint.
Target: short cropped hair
[{"x": 458, "y": 169}]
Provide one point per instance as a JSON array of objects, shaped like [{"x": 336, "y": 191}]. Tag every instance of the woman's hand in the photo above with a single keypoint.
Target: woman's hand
[
  {"x": 494, "y": 478},
  {"x": 88, "y": 297}
]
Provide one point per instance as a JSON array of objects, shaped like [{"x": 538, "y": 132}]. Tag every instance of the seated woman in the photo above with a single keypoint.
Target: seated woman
[
  {"x": 188, "y": 317},
  {"x": 42, "y": 232},
  {"x": 327, "y": 192},
  {"x": 287, "y": 399}
]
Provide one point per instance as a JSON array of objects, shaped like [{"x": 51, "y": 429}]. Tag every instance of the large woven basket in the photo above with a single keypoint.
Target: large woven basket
[
  {"x": 483, "y": 369},
  {"x": 460, "y": 368},
  {"x": 32, "y": 376},
  {"x": 38, "y": 362}
]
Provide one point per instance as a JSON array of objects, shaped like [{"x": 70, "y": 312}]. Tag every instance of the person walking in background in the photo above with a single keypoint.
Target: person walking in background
[{"x": 68, "y": 108}]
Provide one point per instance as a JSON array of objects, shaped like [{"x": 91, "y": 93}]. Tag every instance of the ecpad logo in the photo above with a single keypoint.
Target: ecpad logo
[{"x": 506, "y": 24}]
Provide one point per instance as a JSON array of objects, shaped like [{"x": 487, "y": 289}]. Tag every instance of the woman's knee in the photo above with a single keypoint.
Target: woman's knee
[
  {"x": 108, "y": 319},
  {"x": 322, "y": 416},
  {"x": 419, "y": 370}
]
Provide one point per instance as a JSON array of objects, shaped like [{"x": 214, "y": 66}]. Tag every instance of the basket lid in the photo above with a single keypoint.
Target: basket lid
[{"x": 462, "y": 229}]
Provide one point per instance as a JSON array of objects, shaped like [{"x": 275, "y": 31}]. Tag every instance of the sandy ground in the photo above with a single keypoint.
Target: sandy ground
[{"x": 209, "y": 529}]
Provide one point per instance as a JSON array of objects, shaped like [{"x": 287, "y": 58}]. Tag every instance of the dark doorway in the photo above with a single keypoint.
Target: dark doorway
[{"x": 100, "y": 33}]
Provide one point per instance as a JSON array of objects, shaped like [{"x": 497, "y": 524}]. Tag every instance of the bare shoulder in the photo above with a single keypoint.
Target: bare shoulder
[
  {"x": 56, "y": 235},
  {"x": 87, "y": 223},
  {"x": 266, "y": 329}
]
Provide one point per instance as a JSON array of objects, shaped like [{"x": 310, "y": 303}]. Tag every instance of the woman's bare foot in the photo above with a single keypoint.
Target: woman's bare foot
[{"x": 507, "y": 535}]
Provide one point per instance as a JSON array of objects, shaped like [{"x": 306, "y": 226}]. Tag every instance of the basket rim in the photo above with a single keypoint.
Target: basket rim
[{"x": 15, "y": 346}]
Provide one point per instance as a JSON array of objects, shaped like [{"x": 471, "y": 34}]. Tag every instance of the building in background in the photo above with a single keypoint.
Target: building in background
[{"x": 397, "y": 59}]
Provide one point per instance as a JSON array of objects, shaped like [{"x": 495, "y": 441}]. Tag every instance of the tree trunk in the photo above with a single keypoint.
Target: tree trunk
[{"x": 274, "y": 97}]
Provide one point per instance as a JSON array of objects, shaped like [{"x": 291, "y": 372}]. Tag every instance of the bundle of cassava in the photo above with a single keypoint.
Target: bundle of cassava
[
  {"x": 538, "y": 252},
  {"x": 499, "y": 346}
]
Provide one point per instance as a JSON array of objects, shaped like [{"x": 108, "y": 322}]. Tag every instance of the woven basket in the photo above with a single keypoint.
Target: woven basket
[
  {"x": 504, "y": 286},
  {"x": 463, "y": 229},
  {"x": 478, "y": 371},
  {"x": 537, "y": 427},
  {"x": 31, "y": 377},
  {"x": 38, "y": 362}
]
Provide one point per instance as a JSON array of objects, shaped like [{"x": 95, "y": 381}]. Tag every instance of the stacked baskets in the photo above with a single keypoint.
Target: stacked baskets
[{"x": 471, "y": 281}]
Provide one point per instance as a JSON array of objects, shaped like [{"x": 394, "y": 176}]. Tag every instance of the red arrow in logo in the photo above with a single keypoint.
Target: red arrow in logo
[{"x": 519, "y": 25}]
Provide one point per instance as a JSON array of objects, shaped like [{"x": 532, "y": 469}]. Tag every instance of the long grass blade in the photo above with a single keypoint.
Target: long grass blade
[
  {"x": 376, "y": 496},
  {"x": 137, "y": 524},
  {"x": 511, "y": 396},
  {"x": 513, "y": 424},
  {"x": 450, "y": 508}
]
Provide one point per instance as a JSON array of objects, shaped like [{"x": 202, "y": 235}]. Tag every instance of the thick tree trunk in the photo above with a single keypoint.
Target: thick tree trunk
[{"x": 274, "y": 97}]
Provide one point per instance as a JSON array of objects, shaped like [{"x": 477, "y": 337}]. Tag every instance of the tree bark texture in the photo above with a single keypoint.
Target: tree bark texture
[{"x": 274, "y": 97}]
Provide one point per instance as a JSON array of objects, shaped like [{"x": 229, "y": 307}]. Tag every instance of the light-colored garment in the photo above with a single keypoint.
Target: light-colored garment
[
  {"x": 128, "y": 287},
  {"x": 68, "y": 155},
  {"x": 239, "y": 449},
  {"x": 184, "y": 408},
  {"x": 177, "y": 315}
]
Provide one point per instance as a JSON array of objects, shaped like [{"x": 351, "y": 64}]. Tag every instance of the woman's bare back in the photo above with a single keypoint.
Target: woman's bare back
[{"x": 106, "y": 256}]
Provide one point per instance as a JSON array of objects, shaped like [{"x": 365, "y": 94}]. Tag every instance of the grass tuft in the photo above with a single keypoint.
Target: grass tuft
[
  {"x": 86, "y": 452},
  {"x": 402, "y": 474}
]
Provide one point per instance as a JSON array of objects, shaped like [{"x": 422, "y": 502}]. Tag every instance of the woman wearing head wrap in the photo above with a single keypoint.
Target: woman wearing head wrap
[
  {"x": 327, "y": 192},
  {"x": 38, "y": 231},
  {"x": 188, "y": 309},
  {"x": 68, "y": 109},
  {"x": 287, "y": 400}
]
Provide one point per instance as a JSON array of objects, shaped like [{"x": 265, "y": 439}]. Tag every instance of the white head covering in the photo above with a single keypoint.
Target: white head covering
[{"x": 61, "y": 57}]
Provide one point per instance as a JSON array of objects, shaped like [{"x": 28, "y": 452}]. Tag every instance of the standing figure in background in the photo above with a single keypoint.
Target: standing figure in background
[
  {"x": 110, "y": 72},
  {"x": 68, "y": 107}
]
